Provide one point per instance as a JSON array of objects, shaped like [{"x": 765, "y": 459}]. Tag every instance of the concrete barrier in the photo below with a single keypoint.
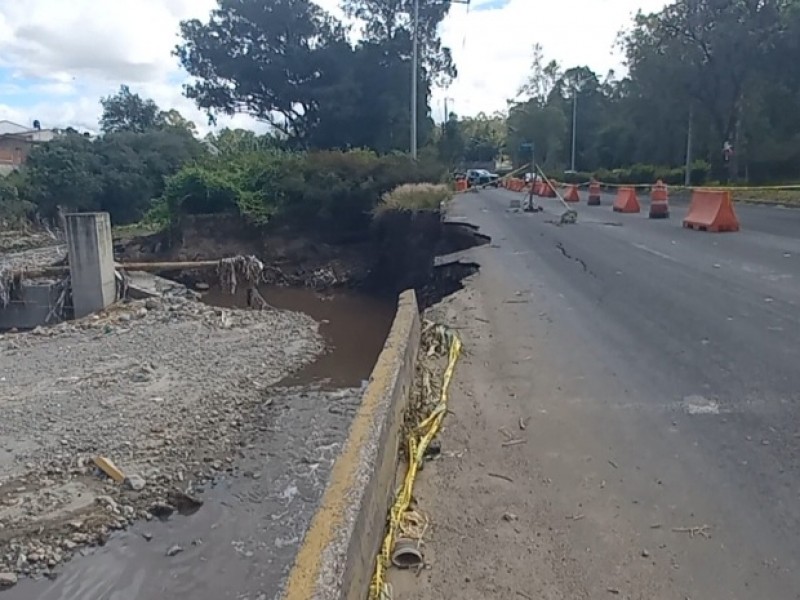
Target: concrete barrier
[{"x": 337, "y": 557}]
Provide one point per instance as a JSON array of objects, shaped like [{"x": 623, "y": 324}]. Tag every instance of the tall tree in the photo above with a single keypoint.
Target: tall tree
[
  {"x": 126, "y": 111},
  {"x": 391, "y": 20},
  {"x": 280, "y": 61}
]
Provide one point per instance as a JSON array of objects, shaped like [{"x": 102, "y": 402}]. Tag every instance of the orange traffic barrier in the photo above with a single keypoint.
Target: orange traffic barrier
[
  {"x": 711, "y": 210},
  {"x": 572, "y": 194},
  {"x": 659, "y": 204},
  {"x": 546, "y": 190},
  {"x": 461, "y": 185},
  {"x": 626, "y": 201},
  {"x": 594, "y": 193}
]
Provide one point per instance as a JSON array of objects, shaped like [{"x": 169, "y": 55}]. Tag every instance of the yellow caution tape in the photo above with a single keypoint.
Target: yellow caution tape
[
  {"x": 731, "y": 188},
  {"x": 418, "y": 443}
]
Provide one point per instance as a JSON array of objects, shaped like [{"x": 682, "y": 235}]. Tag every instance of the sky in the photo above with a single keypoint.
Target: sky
[{"x": 58, "y": 57}]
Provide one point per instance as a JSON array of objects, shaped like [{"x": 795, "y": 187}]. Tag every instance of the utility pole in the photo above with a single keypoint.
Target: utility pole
[
  {"x": 415, "y": 72},
  {"x": 687, "y": 176},
  {"x": 414, "y": 80},
  {"x": 574, "y": 122}
]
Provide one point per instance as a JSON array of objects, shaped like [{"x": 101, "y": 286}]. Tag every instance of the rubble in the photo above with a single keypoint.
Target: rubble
[{"x": 163, "y": 389}]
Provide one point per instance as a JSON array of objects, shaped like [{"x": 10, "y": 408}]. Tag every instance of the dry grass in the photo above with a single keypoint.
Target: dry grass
[
  {"x": 787, "y": 197},
  {"x": 415, "y": 197}
]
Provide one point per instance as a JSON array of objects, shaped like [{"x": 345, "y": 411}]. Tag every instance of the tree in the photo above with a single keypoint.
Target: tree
[
  {"x": 391, "y": 21},
  {"x": 126, "y": 111},
  {"x": 174, "y": 119},
  {"x": 451, "y": 144},
  {"x": 279, "y": 61},
  {"x": 312, "y": 85},
  {"x": 544, "y": 126},
  {"x": 715, "y": 48}
]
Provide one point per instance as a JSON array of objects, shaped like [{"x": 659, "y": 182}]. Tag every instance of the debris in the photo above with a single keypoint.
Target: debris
[
  {"x": 645, "y": 553},
  {"x": 109, "y": 468},
  {"x": 147, "y": 536},
  {"x": 515, "y": 442},
  {"x": 500, "y": 476},
  {"x": 577, "y": 517},
  {"x": 522, "y": 424},
  {"x": 613, "y": 464},
  {"x": 523, "y": 595},
  {"x": 701, "y": 530},
  {"x": 406, "y": 554},
  {"x": 173, "y": 550},
  {"x": 509, "y": 517},
  {"x": 611, "y": 590}
]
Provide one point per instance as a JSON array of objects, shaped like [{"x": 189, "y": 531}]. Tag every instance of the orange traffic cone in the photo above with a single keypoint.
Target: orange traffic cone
[
  {"x": 594, "y": 193},
  {"x": 572, "y": 195},
  {"x": 659, "y": 203}
]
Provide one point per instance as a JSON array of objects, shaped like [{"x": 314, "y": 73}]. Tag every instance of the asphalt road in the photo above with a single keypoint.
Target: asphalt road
[{"x": 658, "y": 372}]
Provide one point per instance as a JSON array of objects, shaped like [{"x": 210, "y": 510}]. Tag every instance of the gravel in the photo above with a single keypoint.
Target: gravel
[{"x": 161, "y": 388}]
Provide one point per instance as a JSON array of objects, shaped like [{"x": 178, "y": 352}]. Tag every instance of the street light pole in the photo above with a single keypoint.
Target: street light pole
[
  {"x": 414, "y": 80},
  {"x": 574, "y": 122},
  {"x": 687, "y": 175}
]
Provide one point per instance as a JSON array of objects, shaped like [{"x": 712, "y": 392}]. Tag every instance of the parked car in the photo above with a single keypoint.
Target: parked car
[{"x": 482, "y": 177}]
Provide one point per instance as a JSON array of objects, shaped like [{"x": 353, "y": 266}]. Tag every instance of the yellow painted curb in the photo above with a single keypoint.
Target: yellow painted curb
[{"x": 337, "y": 556}]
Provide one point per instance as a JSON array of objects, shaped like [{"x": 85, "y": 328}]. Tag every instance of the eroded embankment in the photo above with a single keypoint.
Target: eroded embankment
[{"x": 399, "y": 252}]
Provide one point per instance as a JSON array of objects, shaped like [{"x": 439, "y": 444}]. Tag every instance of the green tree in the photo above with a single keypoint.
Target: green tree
[
  {"x": 126, "y": 111},
  {"x": 451, "y": 143},
  {"x": 391, "y": 21},
  {"x": 279, "y": 61}
]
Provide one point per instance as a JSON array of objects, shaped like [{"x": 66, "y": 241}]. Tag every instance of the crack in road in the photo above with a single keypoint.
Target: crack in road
[{"x": 580, "y": 261}]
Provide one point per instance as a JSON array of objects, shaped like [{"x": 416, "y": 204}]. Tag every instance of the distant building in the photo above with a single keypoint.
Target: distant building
[{"x": 16, "y": 142}]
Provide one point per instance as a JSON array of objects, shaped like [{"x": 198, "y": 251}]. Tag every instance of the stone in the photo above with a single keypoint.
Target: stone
[
  {"x": 173, "y": 550},
  {"x": 135, "y": 482},
  {"x": 7, "y": 580}
]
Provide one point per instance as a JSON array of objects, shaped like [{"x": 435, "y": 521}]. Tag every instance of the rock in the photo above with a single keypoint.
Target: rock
[
  {"x": 141, "y": 313},
  {"x": 173, "y": 550},
  {"x": 134, "y": 482},
  {"x": 202, "y": 286},
  {"x": 7, "y": 580},
  {"x": 645, "y": 553},
  {"x": 147, "y": 535}
]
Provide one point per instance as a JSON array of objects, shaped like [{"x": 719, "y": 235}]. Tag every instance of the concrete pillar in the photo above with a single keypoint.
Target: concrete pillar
[{"x": 91, "y": 261}]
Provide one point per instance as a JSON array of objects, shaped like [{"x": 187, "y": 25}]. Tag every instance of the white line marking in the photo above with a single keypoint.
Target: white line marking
[{"x": 655, "y": 252}]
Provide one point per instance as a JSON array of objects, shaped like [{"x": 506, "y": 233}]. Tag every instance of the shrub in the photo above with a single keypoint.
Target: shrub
[
  {"x": 14, "y": 211},
  {"x": 415, "y": 197},
  {"x": 323, "y": 190}
]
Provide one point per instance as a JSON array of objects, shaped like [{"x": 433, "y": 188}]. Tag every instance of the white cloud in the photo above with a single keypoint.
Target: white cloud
[{"x": 63, "y": 55}]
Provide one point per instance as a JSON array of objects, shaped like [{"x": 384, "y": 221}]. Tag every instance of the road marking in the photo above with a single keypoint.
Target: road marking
[
  {"x": 655, "y": 252},
  {"x": 699, "y": 405}
]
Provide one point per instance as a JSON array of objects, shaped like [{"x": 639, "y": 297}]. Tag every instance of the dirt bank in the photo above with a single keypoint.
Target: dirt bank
[
  {"x": 163, "y": 388},
  {"x": 397, "y": 253}
]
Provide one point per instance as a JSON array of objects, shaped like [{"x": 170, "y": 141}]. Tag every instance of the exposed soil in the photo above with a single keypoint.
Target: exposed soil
[
  {"x": 398, "y": 253},
  {"x": 165, "y": 389}
]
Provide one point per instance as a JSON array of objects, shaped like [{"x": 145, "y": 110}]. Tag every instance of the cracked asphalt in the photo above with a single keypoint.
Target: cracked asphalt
[{"x": 651, "y": 374}]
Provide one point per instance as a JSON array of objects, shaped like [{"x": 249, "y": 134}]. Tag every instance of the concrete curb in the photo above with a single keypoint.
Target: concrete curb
[{"x": 337, "y": 557}]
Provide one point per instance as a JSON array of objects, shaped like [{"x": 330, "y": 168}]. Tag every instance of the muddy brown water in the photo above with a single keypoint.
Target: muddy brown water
[
  {"x": 354, "y": 326},
  {"x": 240, "y": 545}
]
